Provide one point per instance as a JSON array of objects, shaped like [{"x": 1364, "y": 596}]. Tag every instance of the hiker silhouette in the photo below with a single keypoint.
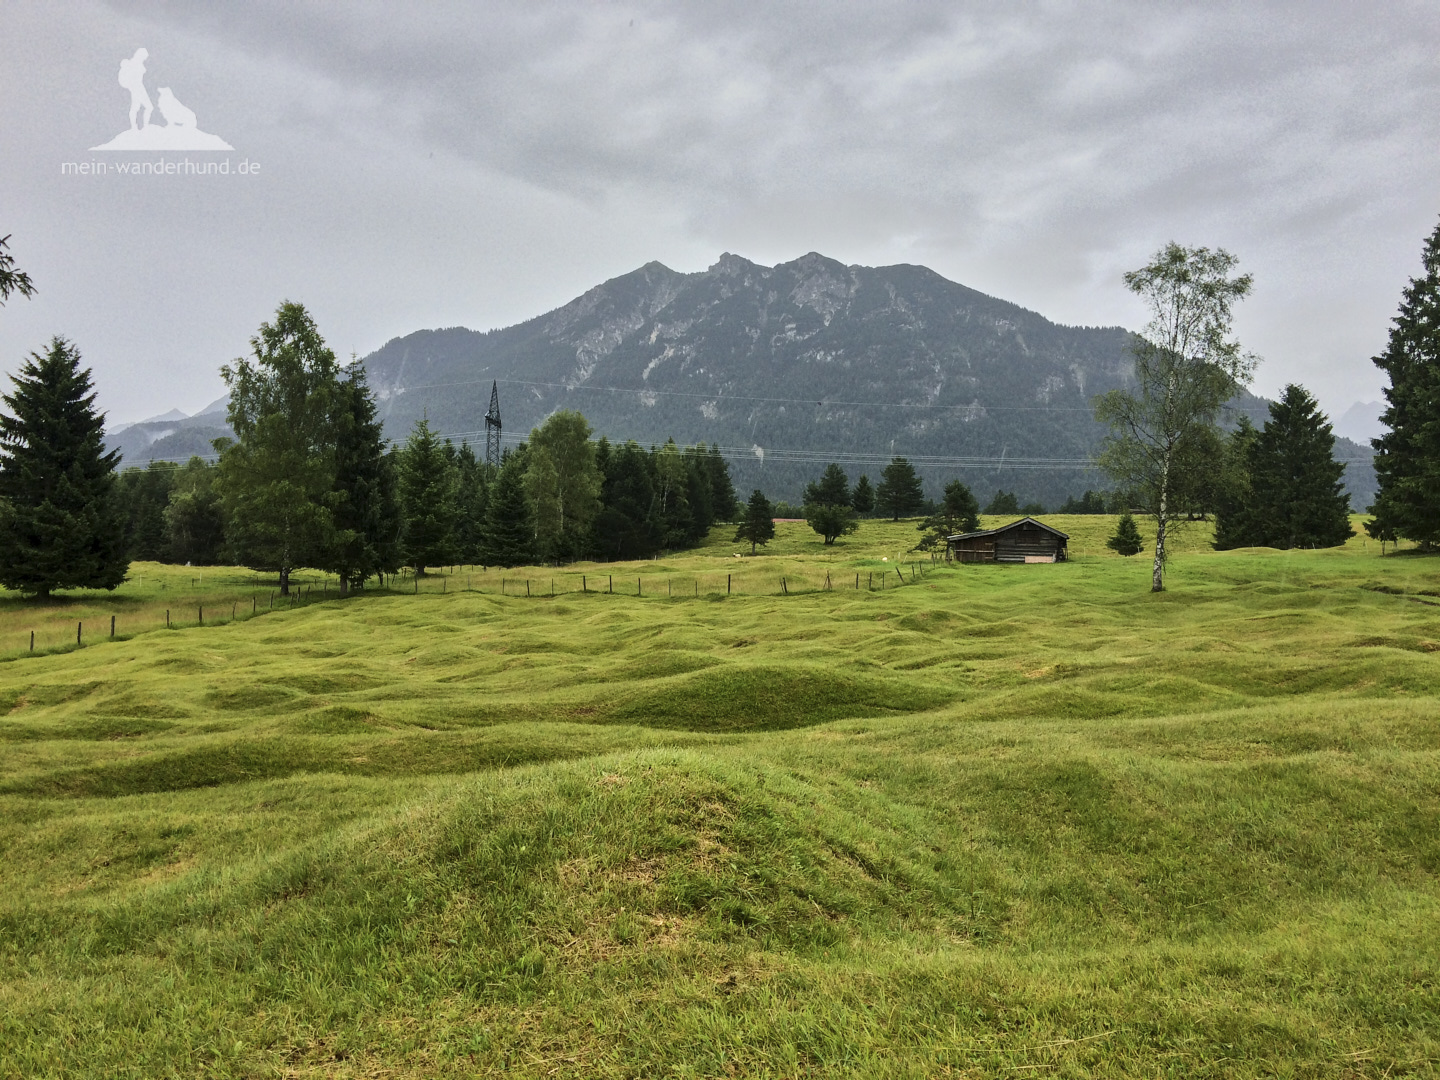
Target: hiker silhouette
[{"x": 132, "y": 78}]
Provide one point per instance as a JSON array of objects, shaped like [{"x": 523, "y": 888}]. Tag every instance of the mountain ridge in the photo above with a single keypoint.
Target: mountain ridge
[{"x": 788, "y": 367}]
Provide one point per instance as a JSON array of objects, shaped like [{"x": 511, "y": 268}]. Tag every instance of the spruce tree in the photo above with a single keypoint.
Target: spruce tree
[
  {"x": 758, "y": 524},
  {"x": 367, "y": 512},
  {"x": 60, "y": 525},
  {"x": 12, "y": 280},
  {"x": 427, "y": 499},
  {"x": 623, "y": 528},
  {"x": 1407, "y": 457},
  {"x": 899, "y": 493},
  {"x": 1294, "y": 496},
  {"x": 959, "y": 512},
  {"x": 863, "y": 497},
  {"x": 508, "y": 538},
  {"x": 195, "y": 520},
  {"x": 723, "y": 502},
  {"x": 827, "y": 506},
  {"x": 1126, "y": 540},
  {"x": 143, "y": 496},
  {"x": 1004, "y": 502},
  {"x": 1234, "y": 521}
]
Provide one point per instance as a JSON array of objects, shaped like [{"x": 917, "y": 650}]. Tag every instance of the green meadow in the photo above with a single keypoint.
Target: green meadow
[{"x": 767, "y": 816}]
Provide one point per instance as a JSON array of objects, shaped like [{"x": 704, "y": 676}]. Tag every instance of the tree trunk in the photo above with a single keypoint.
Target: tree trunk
[
  {"x": 1157, "y": 578},
  {"x": 344, "y": 585},
  {"x": 419, "y": 571}
]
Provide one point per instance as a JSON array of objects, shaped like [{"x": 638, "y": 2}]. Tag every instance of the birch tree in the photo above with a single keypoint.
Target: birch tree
[{"x": 1187, "y": 365}]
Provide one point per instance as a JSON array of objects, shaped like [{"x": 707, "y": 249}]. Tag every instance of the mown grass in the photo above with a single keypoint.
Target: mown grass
[{"x": 1000, "y": 821}]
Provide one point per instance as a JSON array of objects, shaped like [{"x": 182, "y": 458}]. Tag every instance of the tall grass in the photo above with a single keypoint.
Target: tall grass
[{"x": 998, "y": 821}]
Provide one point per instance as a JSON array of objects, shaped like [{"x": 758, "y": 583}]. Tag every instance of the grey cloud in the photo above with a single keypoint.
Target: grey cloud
[{"x": 1032, "y": 150}]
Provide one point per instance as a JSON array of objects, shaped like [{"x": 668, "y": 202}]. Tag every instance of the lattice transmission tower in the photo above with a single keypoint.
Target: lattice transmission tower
[{"x": 492, "y": 429}]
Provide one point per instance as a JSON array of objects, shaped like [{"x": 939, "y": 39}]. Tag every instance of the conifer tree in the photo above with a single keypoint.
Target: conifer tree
[
  {"x": 1126, "y": 540},
  {"x": 1407, "y": 457},
  {"x": 1291, "y": 492},
  {"x": 143, "y": 498},
  {"x": 758, "y": 524},
  {"x": 508, "y": 538},
  {"x": 195, "y": 519},
  {"x": 1003, "y": 502},
  {"x": 472, "y": 488},
  {"x": 827, "y": 506},
  {"x": 1234, "y": 526},
  {"x": 959, "y": 512},
  {"x": 723, "y": 503},
  {"x": 367, "y": 512},
  {"x": 12, "y": 280},
  {"x": 863, "y": 497},
  {"x": 623, "y": 528},
  {"x": 899, "y": 493},
  {"x": 427, "y": 499},
  {"x": 60, "y": 526}
]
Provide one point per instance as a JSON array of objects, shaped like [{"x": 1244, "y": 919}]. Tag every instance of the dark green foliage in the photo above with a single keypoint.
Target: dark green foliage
[
  {"x": 508, "y": 538},
  {"x": 831, "y": 521},
  {"x": 724, "y": 504},
  {"x": 1033, "y": 508},
  {"x": 1407, "y": 457},
  {"x": 1004, "y": 502},
  {"x": 60, "y": 526},
  {"x": 195, "y": 519},
  {"x": 670, "y": 513},
  {"x": 758, "y": 524},
  {"x": 827, "y": 505},
  {"x": 832, "y": 489},
  {"x": 472, "y": 481},
  {"x": 899, "y": 493},
  {"x": 11, "y": 279},
  {"x": 143, "y": 496},
  {"x": 427, "y": 483},
  {"x": 623, "y": 528},
  {"x": 958, "y": 512},
  {"x": 367, "y": 519},
  {"x": 276, "y": 479},
  {"x": 1092, "y": 502},
  {"x": 1282, "y": 484},
  {"x": 863, "y": 497},
  {"x": 1126, "y": 539}
]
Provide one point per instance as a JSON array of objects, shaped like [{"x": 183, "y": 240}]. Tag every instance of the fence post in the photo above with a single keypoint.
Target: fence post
[
  {"x": 612, "y": 583},
  {"x": 167, "y": 618},
  {"x": 727, "y": 584},
  {"x": 112, "y": 626},
  {"x": 527, "y": 588},
  {"x": 202, "y": 614},
  {"x": 32, "y": 640},
  {"x": 638, "y": 590},
  {"x": 584, "y": 585},
  {"x": 77, "y": 632},
  {"x": 857, "y": 580},
  {"x": 783, "y": 589}
]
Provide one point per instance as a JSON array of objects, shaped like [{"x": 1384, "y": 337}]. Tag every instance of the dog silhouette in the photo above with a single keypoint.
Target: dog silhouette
[{"x": 175, "y": 114}]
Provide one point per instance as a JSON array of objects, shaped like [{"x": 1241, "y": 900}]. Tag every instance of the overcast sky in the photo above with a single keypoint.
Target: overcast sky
[{"x": 471, "y": 164}]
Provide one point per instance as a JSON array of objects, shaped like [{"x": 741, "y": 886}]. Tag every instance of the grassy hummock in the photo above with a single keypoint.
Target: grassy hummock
[{"x": 995, "y": 820}]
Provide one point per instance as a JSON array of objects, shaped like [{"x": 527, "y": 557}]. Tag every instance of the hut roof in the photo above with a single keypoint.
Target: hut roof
[{"x": 1006, "y": 528}]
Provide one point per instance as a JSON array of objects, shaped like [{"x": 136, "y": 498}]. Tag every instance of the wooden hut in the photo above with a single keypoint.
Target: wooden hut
[{"x": 1023, "y": 541}]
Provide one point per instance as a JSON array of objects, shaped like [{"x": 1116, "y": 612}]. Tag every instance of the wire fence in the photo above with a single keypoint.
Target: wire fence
[{"x": 55, "y": 635}]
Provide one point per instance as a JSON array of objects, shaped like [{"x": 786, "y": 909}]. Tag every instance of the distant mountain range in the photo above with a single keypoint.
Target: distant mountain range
[{"x": 786, "y": 368}]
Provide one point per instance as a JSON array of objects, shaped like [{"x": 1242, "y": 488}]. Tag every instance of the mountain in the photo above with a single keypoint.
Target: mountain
[
  {"x": 790, "y": 367},
  {"x": 786, "y": 367},
  {"x": 1361, "y": 422}
]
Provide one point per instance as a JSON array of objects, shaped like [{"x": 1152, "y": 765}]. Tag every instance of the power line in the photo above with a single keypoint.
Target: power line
[{"x": 820, "y": 402}]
